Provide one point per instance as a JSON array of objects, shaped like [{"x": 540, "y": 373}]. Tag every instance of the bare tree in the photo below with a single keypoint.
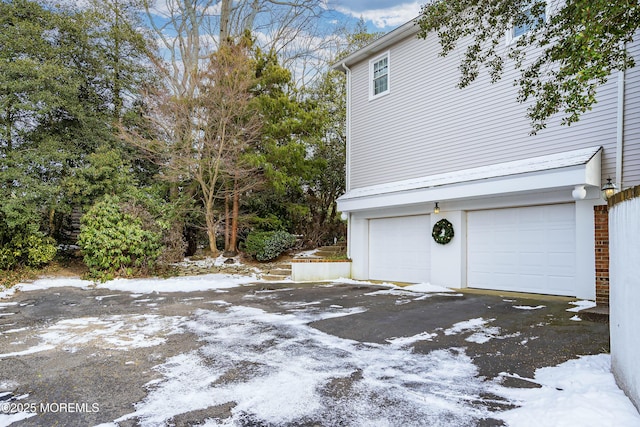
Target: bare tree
[
  {"x": 229, "y": 125},
  {"x": 198, "y": 111}
]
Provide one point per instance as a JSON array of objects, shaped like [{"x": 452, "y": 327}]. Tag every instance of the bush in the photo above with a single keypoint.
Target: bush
[
  {"x": 22, "y": 245},
  {"x": 115, "y": 242},
  {"x": 27, "y": 249},
  {"x": 267, "y": 245}
]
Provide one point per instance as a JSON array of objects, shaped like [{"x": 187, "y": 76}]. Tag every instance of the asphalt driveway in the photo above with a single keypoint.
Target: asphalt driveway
[{"x": 277, "y": 354}]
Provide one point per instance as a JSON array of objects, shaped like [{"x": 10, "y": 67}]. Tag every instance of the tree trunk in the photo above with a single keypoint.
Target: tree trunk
[
  {"x": 225, "y": 19},
  {"x": 227, "y": 224},
  {"x": 211, "y": 228},
  {"x": 234, "y": 219}
]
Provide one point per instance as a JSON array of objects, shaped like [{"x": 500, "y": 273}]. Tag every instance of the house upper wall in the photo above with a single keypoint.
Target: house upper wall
[
  {"x": 631, "y": 154},
  {"x": 425, "y": 125}
]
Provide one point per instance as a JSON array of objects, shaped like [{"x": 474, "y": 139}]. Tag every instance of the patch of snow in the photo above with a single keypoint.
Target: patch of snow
[
  {"x": 407, "y": 341},
  {"x": 581, "y": 305},
  {"x": 481, "y": 332},
  {"x": 426, "y": 288},
  {"x": 219, "y": 302},
  {"x": 528, "y": 307},
  {"x": 351, "y": 281},
  {"x": 178, "y": 284},
  {"x": 4, "y": 305},
  {"x": 119, "y": 332},
  {"x": 208, "y": 262},
  {"x": 8, "y": 419},
  {"x": 141, "y": 286},
  {"x": 307, "y": 254},
  {"x": 467, "y": 325},
  {"x": 580, "y": 392},
  {"x": 31, "y": 350},
  {"x": 101, "y": 297},
  {"x": 395, "y": 292},
  {"x": 11, "y": 331},
  {"x": 278, "y": 371},
  {"x": 576, "y": 318},
  {"x": 46, "y": 283}
]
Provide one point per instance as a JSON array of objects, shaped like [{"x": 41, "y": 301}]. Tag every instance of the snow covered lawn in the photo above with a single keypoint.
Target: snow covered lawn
[{"x": 274, "y": 368}]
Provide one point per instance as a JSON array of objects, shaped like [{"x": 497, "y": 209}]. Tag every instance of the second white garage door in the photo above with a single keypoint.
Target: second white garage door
[
  {"x": 529, "y": 249},
  {"x": 399, "y": 249}
]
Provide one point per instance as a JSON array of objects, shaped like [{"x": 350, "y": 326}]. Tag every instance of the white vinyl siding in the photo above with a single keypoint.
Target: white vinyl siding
[
  {"x": 631, "y": 156},
  {"x": 428, "y": 126},
  {"x": 529, "y": 249},
  {"x": 399, "y": 249},
  {"x": 379, "y": 76}
]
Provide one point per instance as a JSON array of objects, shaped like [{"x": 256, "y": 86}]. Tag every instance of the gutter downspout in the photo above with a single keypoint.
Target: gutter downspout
[
  {"x": 348, "y": 151},
  {"x": 620, "y": 128}
]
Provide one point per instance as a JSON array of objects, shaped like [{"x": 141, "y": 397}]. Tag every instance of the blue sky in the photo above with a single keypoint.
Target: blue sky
[{"x": 380, "y": 15}]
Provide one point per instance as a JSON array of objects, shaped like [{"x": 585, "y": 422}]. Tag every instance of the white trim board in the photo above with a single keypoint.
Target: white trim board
[{"x": 577, "y": 167}]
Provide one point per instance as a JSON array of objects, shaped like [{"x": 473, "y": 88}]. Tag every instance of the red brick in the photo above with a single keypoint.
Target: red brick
[{"x": 601, "y": 233}]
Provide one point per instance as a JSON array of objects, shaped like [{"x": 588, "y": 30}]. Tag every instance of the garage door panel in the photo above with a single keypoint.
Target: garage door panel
[
  {"x": 399, "y": 249},
  {"x": 528, "y": 249}
]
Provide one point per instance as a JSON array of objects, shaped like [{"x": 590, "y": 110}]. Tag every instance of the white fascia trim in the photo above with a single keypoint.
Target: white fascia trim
[{"x": 579, "y": 167}]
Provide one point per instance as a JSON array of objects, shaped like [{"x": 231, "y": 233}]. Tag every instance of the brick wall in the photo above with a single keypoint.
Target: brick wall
[{"x": 601, "y": 219}]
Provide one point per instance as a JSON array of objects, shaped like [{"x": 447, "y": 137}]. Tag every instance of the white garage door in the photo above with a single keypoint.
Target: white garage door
[
  {"x": 523, "y": 249},
  {"x": 399, "y": 249}
]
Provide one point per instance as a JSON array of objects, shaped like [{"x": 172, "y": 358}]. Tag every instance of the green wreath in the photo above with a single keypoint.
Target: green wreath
[{"x": 442, "y": 232}]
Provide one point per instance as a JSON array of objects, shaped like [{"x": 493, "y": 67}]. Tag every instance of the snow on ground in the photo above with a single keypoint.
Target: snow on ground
[
  {"x": 407, "y": 341},
  {"x": 207, "y": 262},
  {"x": 179, "y": 284},
  {"x": 410, "y": 291},
  {"x": 528, "y": 307},
  {"x": 46, "y": 283},
  {"x": 481, "y": 332},
  {"x": 118, "y": 332},
  {"x": 279, "y": 370},
  {"x": 141, "y": 286},
  {"x": 581, "y": 305},
  {"x": 580, "y": 392}
]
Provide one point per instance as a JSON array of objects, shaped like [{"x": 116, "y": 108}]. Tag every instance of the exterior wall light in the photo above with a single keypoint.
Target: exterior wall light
[
  {"x": 436, "y": 210},
  {"x": 608, "y": 190}
]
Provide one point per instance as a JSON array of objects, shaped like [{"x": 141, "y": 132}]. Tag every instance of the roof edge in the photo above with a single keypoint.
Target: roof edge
[
  {"x": 547, "y": 162},
  {"x": 405, "y": 30}
]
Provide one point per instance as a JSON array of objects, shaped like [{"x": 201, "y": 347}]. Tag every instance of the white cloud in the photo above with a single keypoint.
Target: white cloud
[{"x": 384, "y": 17}]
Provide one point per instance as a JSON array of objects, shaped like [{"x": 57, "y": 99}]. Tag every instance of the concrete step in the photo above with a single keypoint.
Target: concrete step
[
  {"x": 330, "y": 251},
  {"x": 277, "y": 272},
  {"x": 596, "y": 314},
  {"x": 280, "y": 271},
  {"x": 335, "y": 248},
  {"x": 275, "y": 277}
]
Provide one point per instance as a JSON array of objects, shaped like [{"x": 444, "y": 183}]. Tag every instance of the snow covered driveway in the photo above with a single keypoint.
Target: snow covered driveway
[{"x": 218, "y": 350}]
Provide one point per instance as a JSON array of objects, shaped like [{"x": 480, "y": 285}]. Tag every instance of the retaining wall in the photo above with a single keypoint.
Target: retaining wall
[
  {"x": 316, "y": 270},
  {"x": 624, "y": 291}
]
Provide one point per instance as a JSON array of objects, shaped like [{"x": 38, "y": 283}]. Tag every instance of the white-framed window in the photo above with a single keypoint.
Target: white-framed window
[
  {"x": 518, "y": 31},
  {"x": 379, "y": 76}
]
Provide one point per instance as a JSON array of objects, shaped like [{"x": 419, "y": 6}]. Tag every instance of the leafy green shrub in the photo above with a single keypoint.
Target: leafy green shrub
[
  {"x": 23, "y": 247},
  {"x": 267, "y": 245},
  {"x": 115, "y": 242}
]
